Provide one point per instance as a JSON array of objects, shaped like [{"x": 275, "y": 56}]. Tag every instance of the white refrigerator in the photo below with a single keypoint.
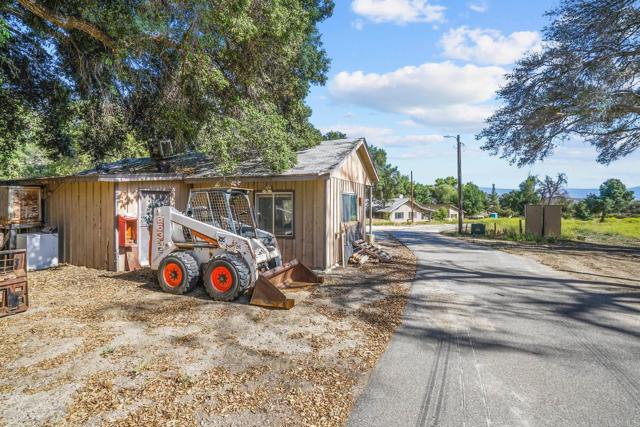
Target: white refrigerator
[{"x": 42, "y": 249}]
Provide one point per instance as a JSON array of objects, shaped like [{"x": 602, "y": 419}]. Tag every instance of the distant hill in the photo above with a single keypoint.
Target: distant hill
[{"x": 574, "y": 193}]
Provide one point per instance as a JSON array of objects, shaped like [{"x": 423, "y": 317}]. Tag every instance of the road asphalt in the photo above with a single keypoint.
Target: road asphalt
[{"x": 493, "y": 339}]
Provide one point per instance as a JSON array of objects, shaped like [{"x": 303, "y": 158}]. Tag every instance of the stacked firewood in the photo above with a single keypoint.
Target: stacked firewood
[{"x": 363, "y": 251}]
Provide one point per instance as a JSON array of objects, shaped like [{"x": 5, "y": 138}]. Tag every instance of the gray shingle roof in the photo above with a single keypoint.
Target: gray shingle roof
[{"x": 318, "y": 160}]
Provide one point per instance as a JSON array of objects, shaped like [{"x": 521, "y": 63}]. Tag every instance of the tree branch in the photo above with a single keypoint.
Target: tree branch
[{"x": 68, "y": 22}]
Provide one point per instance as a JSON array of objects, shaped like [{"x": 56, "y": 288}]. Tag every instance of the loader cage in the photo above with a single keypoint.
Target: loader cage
[{"x": 226, "y": 209}]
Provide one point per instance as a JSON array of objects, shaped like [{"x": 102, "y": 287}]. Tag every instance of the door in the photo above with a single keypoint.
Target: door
[{"x": 149, "y": 200}]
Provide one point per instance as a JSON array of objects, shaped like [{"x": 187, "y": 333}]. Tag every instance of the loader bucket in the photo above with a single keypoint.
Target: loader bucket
[
  {"x": 290, "y": 275},
  {"x": 268, "y": 295}
]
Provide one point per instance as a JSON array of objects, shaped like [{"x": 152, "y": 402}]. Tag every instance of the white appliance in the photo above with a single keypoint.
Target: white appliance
[{"x": 42, "y": 249}]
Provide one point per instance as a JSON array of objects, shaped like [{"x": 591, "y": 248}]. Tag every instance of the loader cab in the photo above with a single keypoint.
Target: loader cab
[{"x": 226, "y": 208}]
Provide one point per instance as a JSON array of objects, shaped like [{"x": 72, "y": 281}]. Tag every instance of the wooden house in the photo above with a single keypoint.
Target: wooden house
[{"x": 316, "y": 209}]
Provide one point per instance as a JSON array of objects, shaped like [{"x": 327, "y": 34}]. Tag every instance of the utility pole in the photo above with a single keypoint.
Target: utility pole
[
  {"x": 459, "y": 184},
  {"x": 412, "y": 214}
]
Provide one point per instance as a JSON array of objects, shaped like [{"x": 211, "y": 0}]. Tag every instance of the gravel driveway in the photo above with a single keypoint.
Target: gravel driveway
[{"x": 493, "y": 339}]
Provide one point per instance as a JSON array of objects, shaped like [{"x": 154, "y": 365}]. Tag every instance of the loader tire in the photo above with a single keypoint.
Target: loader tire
[
  {"x": 178, "y": 273},
  {"x": 226, "y": 277}
]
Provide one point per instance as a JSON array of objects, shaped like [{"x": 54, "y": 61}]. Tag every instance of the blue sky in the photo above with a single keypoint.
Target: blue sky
[{"x": 406, "y": 72}]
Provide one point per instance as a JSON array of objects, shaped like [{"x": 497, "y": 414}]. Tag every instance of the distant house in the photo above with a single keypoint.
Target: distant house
[
  {"x": 399, "y": 210},
  {"x": 452, "y": 211}
]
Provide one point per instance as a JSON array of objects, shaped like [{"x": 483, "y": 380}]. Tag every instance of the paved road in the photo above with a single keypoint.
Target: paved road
[{"x": 492, "y": 339}]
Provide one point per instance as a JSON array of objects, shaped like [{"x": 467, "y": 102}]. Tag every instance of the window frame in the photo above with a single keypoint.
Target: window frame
[
  {"x": 273, "y": 224},
  {"x": 357, "y": 209},
  {"x": 398, "y": 215}
]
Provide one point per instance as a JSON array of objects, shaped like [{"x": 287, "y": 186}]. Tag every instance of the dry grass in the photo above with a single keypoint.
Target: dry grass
[
  {"x": 598, "y": 263},
  {"x": 99, "y": 348}
]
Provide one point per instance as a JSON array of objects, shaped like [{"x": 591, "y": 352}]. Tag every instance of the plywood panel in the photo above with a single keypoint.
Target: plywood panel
[
  {"x": 552, "y": 219},
  {"x": 533, "y": 223}
]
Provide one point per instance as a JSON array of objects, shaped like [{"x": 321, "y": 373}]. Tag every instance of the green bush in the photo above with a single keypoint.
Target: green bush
[
  {"x": 441, "y": 214},
  {"x": 582, "y": 211}
]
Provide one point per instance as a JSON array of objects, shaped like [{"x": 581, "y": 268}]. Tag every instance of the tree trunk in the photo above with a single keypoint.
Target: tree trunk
[{"x": 604, "y": 213}]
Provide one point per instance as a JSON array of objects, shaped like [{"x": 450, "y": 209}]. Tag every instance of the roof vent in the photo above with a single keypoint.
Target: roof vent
[{"x": 162, "y": 149}]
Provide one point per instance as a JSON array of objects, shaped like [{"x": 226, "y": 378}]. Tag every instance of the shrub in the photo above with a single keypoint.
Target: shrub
[
  {"x": 441, "y": 214},
  {"x": 582, "y": 211}
]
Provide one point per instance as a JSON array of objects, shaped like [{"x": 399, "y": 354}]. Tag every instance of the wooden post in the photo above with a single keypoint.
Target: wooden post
[
  {"x": 370, "y": 209},
  {"x": 520, "y": 226},
  {"x": 495, "y": 229}
]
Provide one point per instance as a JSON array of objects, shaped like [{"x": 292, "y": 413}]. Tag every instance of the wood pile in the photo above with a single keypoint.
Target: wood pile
[{"x": 363, "y": 251}]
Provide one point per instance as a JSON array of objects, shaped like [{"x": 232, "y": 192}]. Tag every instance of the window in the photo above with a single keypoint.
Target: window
[
  {"x": 399, "y": 215},
  {"x": 349, "y": 207},
  {"x": 274, "y": 213}
]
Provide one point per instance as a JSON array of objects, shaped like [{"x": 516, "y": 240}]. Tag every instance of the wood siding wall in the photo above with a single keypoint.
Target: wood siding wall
[
  {"x": 308, "y": 243},
  {"x": 349, "y": 177},
  {"x": 128, "y": 194},
  {"x": 84, "y": 214},
  {"x": 338, "y": 187}
]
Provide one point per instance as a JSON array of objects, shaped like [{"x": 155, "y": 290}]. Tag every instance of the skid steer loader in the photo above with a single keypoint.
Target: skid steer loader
[{"x": 217, "y": 240}]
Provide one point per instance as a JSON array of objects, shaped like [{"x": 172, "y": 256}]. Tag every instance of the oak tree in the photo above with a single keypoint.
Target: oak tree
[{"x": 581, "y": 85}]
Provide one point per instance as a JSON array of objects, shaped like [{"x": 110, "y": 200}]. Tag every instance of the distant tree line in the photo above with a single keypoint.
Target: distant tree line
[{"x": 612, "y": 198}]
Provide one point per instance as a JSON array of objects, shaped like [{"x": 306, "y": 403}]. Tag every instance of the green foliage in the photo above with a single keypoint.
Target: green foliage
[
  {"x": 526, "y": 194},
  {"x": 252, "y": 131},
  {"x": 441, "y": 214},
  {"x": 445, "y": 190},
  {"x": 229, "y": 77},
  {"x": 390, "y": 184},
  {"x": 474, "y": 200},
  {"x": 582, "y": 84},
  {"x": 582, "y": 211},
  {"x": 333, "y": 134},
  {"x": 613, "y": 197},
  {"x": 422, "y": 193}
]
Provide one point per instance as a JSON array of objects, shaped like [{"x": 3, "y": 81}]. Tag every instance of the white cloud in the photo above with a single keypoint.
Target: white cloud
[
  {"x": 358, "y": 24},
  {"x": 479, "y": 6},
  {"x": 442, "y": 95},
  {"x": 384, "y": 137},
  {"x": 408, "y": 123},
  {"x": 486, "y": 46},
  {"x": 398, "y": 11}
]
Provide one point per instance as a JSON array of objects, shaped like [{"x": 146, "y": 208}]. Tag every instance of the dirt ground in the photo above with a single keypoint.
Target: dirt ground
[
  {"x": 608, "y": 264},
  {"x": 100, "y": 348}
]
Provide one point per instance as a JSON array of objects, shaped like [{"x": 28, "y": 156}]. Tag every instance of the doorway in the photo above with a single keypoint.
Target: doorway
[{"x": 149, "y": 200}]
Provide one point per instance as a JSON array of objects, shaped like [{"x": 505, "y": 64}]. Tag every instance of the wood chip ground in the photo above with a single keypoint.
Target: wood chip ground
[{"x": 101, "y": 348}]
